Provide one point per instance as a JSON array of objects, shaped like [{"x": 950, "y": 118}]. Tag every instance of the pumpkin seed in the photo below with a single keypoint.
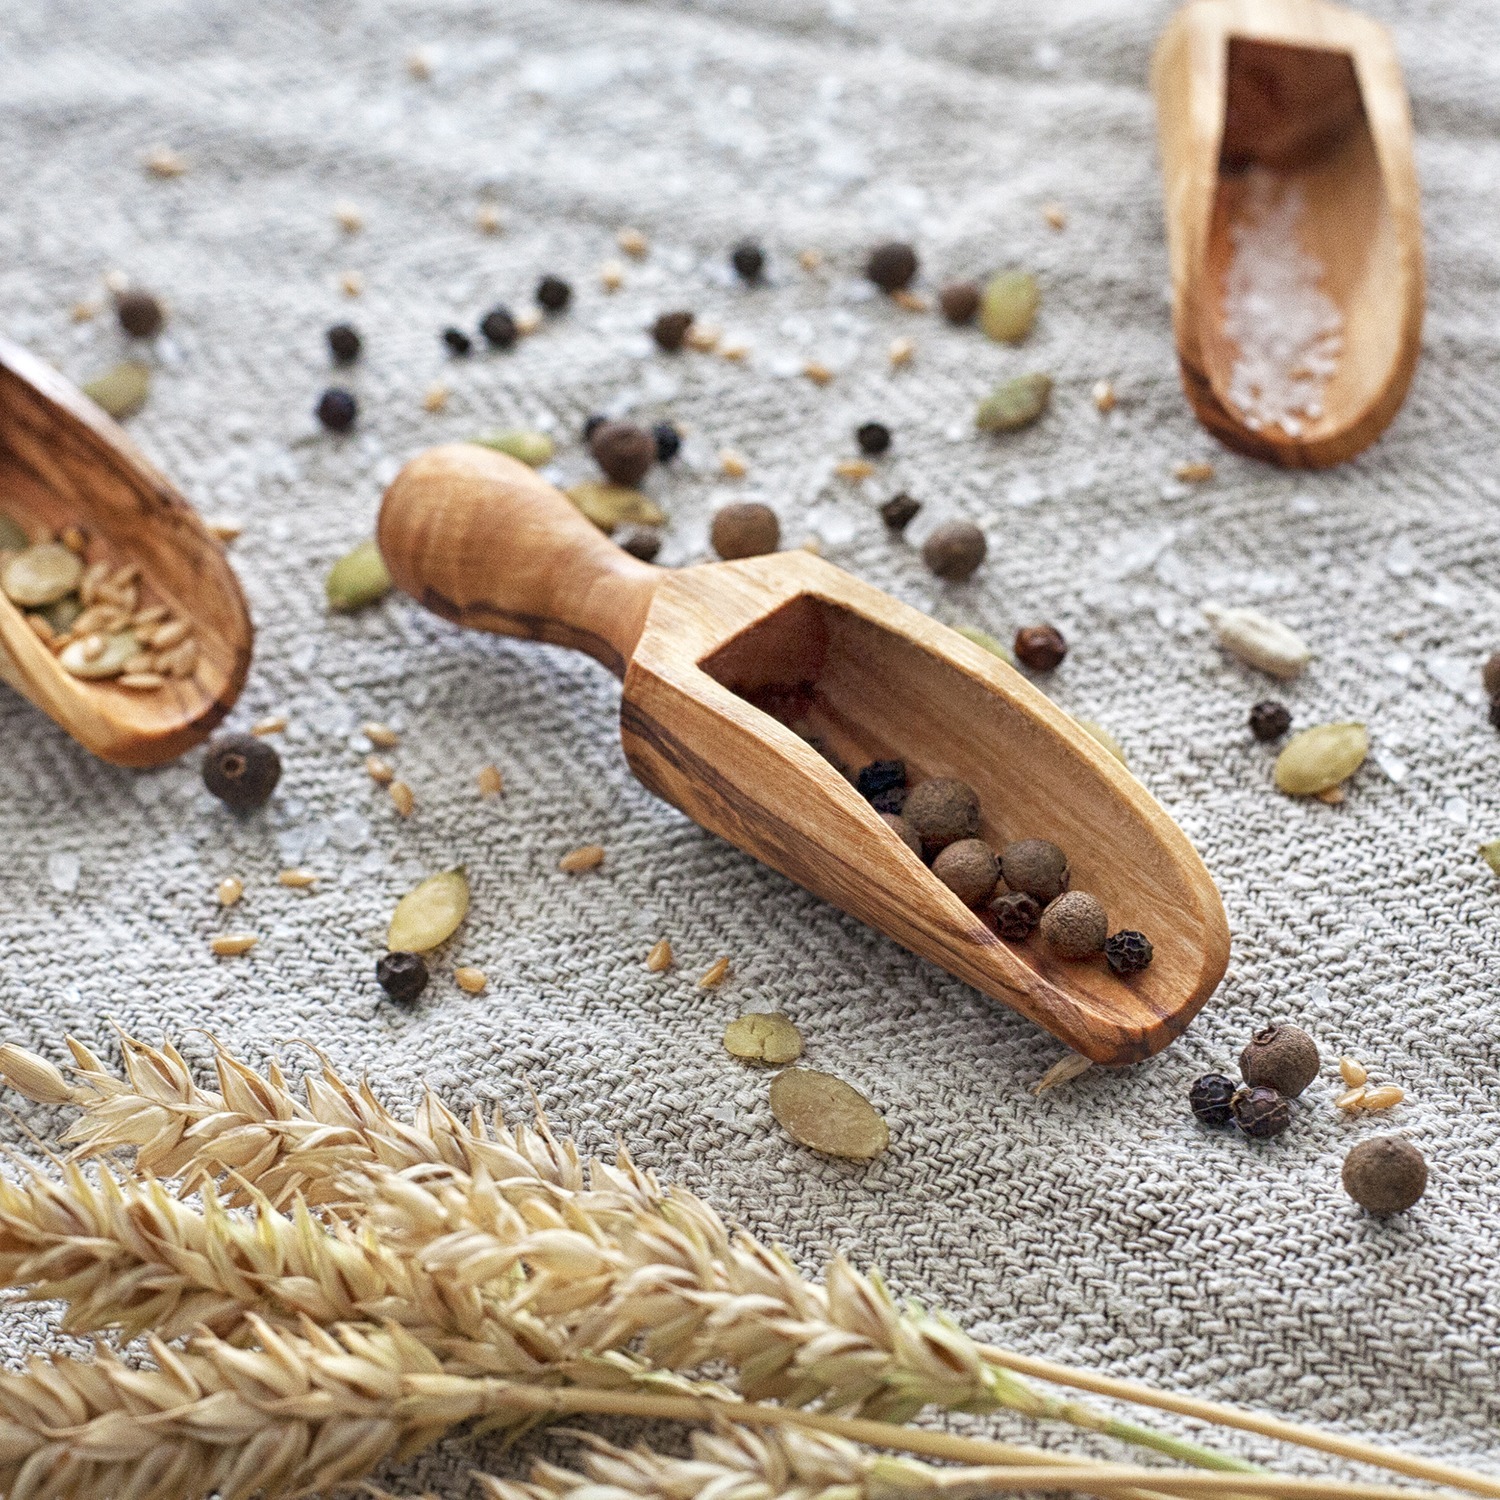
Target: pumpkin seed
[
  {"x": 430, "y": 913},
  {"x": 83, "y": 660},
  {"x": 534, "y": 448},
  {"x": 986, "y": 642},
  {"x": 1258, "y": 640},
  {"x": 358, "y": 578},
  {"x": 1490, "y": 853},
  {"x": 610, "y": 505},
  {"x": 62, "y": 613},
  {"x": 825, "y": 1114},
  {"x": 41, "y": 575},
  {"x": 1008, "y": 307},
  {"x": 121, "y": 391},
  {"x": 1105, "y": 738},
  {"x": 13, "y": 536},
  {"x": 1014, "y": 403},
  {"x": 1321, "y": 757},
  {"x": 759, "y": 1037}
]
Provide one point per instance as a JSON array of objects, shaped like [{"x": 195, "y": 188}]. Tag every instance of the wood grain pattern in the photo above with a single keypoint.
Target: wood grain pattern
[
  {"x": 63, "y": 461},
  {"x": 866, "y": 677},
  {"x": 1312, "y": 93}
]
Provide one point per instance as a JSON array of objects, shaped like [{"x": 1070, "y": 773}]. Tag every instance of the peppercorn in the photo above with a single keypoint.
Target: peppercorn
[
  {"x": 748, "y": 260},
  {"x": 899, "y": 511},
  {"x": 902, "y": 829},
  {"x": 873, "y": 438},
  {"x": 592, "y": 424},
  {"x": 643, "y": 542},
  {"x": 337, "y": 409},
  {"x": 1490, "y": 676},
  {"x": 623, "y": 450},
  {"x": 959, "y": 301},
  {"x": 1283, "y": 1058},
  {"x": 1075, "y": 925},
  {"x": 457, "y": 340},
  {"x": 140, "y": 314},
  {"x": 891, "y": 800},
  {"x": 498, "y": 327},
  {"x": 1495, "y": 712},
  {"x": 1037, "y": 867},
  {"x": 969, "y": 870},
  {"x": 744, "y": 529},
  {"x": 670, "y": 329},
  {"x": 1016, "y": 915},
  {"x": 881, "y": 776},
  {"x": 954, "y": 550},
  {"x": 403, "y": 976},
  {"x": 553, "y": 293},
  {"x": 1040, "y": 647},
  {"x": 344, "y": 343},
  {"x": 1211, "y": 1099},
  {"x": 241, "y": 771},
  {"x": 668, "y": 442},
  {"x": 941, "y": 811},
  {"x": 1260, "y": 1112},
  {"x": 892, "y": 265},
  {"x": 1269, "y": 720},
  {"x": 1385, "y": 1174},
  {"x": 1128, "y": 951}
]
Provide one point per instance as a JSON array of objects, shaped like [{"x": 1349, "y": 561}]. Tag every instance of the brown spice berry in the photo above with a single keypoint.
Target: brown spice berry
[
  {"x": 892, "y": 265},
  {"x": 670, "y": 329},
  {"x": 1260, "y": 1112},
  {"x": 623, "y": 450},
  {"x": 1037, "y": 867},
  {"x": 941, "y": 811},
  {"x": 969, "y": 870},
  {"x": 643, "y": 542},
  {"x": 1490, "y": 676},
  {"x": 954, "y": 550},
  {"x": 1040, "y": 647},
  {"x": 1075, "y": 925},
  {"x": 899, "y": 511},
  {"x": 1385, "y": 1174},
  {"x": 241, "y": 771},
  {"x": 902, "y": 829},
  {"x": 1016, "y": 915},
  {"x": 745, "y": 529},
  {"x": 140, "y": 314},
  {"x": 1284, "y": 1058},
  {"x": 959, "y": 301}
]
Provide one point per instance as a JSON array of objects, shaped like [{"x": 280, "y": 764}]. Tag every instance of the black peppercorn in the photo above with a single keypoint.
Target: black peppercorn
[
  {"x": 1040, "y": 647},
  {"x": 1211, "y": 1098},
  {"x": 1128, "y": 952},
  {"x": 457, "y": 340},
  {"x": 498, "y": 327},
  {"x": 873, "y": 438},
  {"x": 344, "y": 343},
  {"x": 670, "y": 329},
  {"x": 643, "y": 542},
  {"x": 1016, "y": 915},
  {"x": 899, "y": 511},
  {"x": 891, "y": 800},
  {"x": 1385, "y": 1175},
  {"x": 892, "y": 265},
  {"x": 337, "y": 409},
  {"x": 623, "y": 450},
  {"x": 1260, "y": 1113},
  {"x": 668, "y": 442},
  {"x": 881, "y": 776},
  {"x": 748, "y": 260},
  {"x": 403, "y": 976},
  {"x": 959, "y": 301},
  {"x": 241, "y": 771},
  {"x": 140, "y": 314},
  {"x": 1284, "y": 1058},
  {"x": 1269, "y": 720},
  {"x": 592, "y": 424},
  {"x": 553, "y": 293}
]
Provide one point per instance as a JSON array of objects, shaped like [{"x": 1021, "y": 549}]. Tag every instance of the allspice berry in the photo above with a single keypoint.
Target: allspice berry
[
  {"x": 1283, "y": 1058},
  {"x": 140, "y": 314},
  {"x": 745, "y": 529},
  {"x": 959, "y": 301},
  {"x": 1037, "y": 867},
  {"x": 643, "y": 542},
  {"x": 954, "y": 550},
  {"x": 1016, "y": 915},
  {"x": 1040, "y": 647},
  {"x": 902, "y": 829},
  {"x": 969, "y": 870},
  {"x": 241, "y": 771},
  {"x": 941, "y": 811},
  {"x": 1385, "y": 1174},
  {"x": 623, "y": 450},
  {"x": 670, "y": 329},
  {"x": 1075, "y": 925},
  {"x": 892, "y": 265},
  {"x": 1490, "y": 676}
]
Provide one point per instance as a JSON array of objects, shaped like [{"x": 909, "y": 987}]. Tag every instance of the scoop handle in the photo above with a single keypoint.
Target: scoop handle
[{"x": 482, "y": 540}]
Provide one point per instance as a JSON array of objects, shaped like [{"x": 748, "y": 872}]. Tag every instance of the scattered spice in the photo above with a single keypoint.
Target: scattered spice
[
  {"x": 1260, "y": 1112},
  {"x": 232, "y": 944},
  {"x": 1489, "y": 675},
  {"x": 810, "y": 260},
  {"x": 736, "y": 352},
  {"x": 854, "y": 469},
  {"x": 348, "y": 217},
  {"x": 419, "y": 65},
  {"x": 1055, "y": 215},
  {"x": 498, "y": 327},
  {"x": 1104, "y": 396},
  {"x": 458, "y": 341},
  {"x": 402, "y": 975},
  {"x": 1037, "y": 867},
  {"x": 121, "y": 391},
  {"x": 380, "y": 734},
  {"x": 1016, "y": 915},
  {"x": 1014, "y": 403},
  {"x": 702, "y": 338},
  {"x": 873, "y": 438},
  {"x": 1258, "y": 640},
  {"x": 351, "y": 283},
  {"x": 241, "y": 771},
  {"x": 1320, "y": 758},
  {"x": 900, "y": 352},
  {"x": 903, "y": 831},
  {"x": 1064, "y": 1070},
  {"x": 959, "y": 301},
  {"x": 1008, "y": 306},
  {"x": 163, "y": 161},
  {"x": 1128, "y": 952},
  {"x": 139, "y": 313},
  {"x": 357, "y": 579},
  {"x": 611, "y": 505},
  {"x": 761, "y": 1036},
  {"x": 471, "y": 981},
  {"x": 430, "y": 913},
  {"x": 1194, "y": 473},
  {"x": 1387, "y": 1096},
  {"x": 714, "y": 975},
  {"x": 229, "y": 890},
  {"x": 899, "y": 511},
  {"x": 553, "y": 293},
  {"x": 1284, "y": 1058},
  {"x": 1269, "y": 720},
  {"x": 585, "y": 857},
  {"x": 745, "y": 529},
  {"x": 1351, "y": 1101},
  {"x": 1490, "y": 854},
  {"x": 1075, "y": 925},
  {"x": 670, "y": 329},
  {"x": 969, "y": 869},
  {"x": 954, "y": 550},
  {"x": 403, "y": 799},
  {"x": 668, "y": 442},
  {"x": 643, "y": 542},
  {"x": 337, "y": 409},
  {"x": 892, "y": 266},
  {"x": 487, "y": 219},
  {"x": 489, "y": 781},
  {"x": 1353, "y": 1073},
  {"x": 531, "y": 448},
  {"x": 817, "y": 372},
  {"x": 1040, "y": 647},
  {"x": 748, "y": 260},
  {"x": 623, "y": 450},
  {"x": 941, "y": 811},
  {"x": 879, "y": 777},
  {"x": 826, "y": 1115},
  {"x": 1211, "y": 1099},
  {"x": 633, "y": 243},
  {"x": 344, "y": 343},
  {"x": 659, "y": 959},
  {"x": 611, "y": 276},
  {"x": 382, "y": 772},
  {"x": 1385, "y": 1174},
  {"x": 272, "y": 724}
]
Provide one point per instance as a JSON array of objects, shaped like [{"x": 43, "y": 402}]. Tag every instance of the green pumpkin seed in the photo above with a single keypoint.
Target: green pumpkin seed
[
  {"x": 61, "y": 613},
  {"x": 1490, "y": 853},
  {"x": 357, "y": 579},
  {"x": 611, "y": 505},
  {"x": 1014, "y": 404},
  {"x": 122, "y": 391},
  {"x": 534, "y": 448},
  {"x": 430, "y": 913},
  {"x": 1105, "y": 738},
  {"x": 41, "y": 575},
  {"x": 1008, "y": 308},
  {"x": 13, "y": 536},
  {"x": 987, "y": 642},
  {"x": 761, "y": 1037},
  {"x": 110, "y": 662},
  {"x": 825, "y": 1114},
  {"x": 1321, "y": 757}
]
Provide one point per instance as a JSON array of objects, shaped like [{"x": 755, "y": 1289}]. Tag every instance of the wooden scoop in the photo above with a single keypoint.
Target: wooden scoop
[
  {"x": 720, "y": 661},
  {"x": 1257, "y": 100},
  {"x": 63, "y": 462}
]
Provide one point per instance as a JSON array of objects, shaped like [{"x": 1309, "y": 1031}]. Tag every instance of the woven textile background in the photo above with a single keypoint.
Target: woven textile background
[{"x": 1097, "y": 1222}]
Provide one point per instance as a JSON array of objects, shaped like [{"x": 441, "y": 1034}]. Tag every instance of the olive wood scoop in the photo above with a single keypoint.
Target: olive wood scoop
[
  {"x": 63, "y": 462},
  {"x": 719, "y": 660},
  {"x": 1296, "y": 96}
]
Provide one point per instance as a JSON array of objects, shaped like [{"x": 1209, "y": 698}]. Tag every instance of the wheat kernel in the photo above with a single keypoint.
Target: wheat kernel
[
  {"x": 585, "y": 857},
  {"x": 1352, "y": 1100},
  {"x": 854, "y": 468},
  {"x": 809, "y": 259},
  {"x": 351, "y": 283},
  {"x": 33, "y": 1076},
  {"x": 733, "y": 465},
  {"x": 229, "y": 890},
  {"x": 232, "y": 944},
  {"x": 471, "y": 980},
  {"x": 1105, "y": 399},
  {"x": 225, "y": 531},
  {"x": 528, "y": 322},
  {"x": 435, "y": 398},
  {"x": 379, "y": 770},
  {"x": 817, "y": 372},
  {"x": 141, "y": 681},
  {"x": 1385, "y": 1097},
  {"x": 299, "y": 880},
  {"x": 165, "y": 162},
  {"x": 490, "y": 781},
  {"x": 173, "y": 633},
  {"x": 633, "y": 243},
  {"x": 704, "y": 339},
  {"x": 273, "y": 724},
  {"x": 714, "y": 975},
  {"x": 487, "y": 219},
  {"x": 611, "y": 276},
  {"x": 402, "y": 798},
  {"x": 659, "y": 959},
  {"x": 1353, "y": 1073},
  {"x": 349, "y": 218},
  {"x": 1332, "y": 795},
  {"x": 901, "y": 351},
  {"x": 1194, "y": 473},
  {"x": 380, "y": 734},
  {"x": 736, "y": 353},
  {"x": 419, "y": 65},
  {"x": 911, "y": 301},
  {"x": 84, "y": 312},
  {"x": 1055, "y": 215},
  {"x": 73, "y": 538}
]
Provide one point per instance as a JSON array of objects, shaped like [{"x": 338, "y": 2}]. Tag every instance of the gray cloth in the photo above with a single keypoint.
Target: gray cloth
[{"x": 1097, "y": 1223}]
